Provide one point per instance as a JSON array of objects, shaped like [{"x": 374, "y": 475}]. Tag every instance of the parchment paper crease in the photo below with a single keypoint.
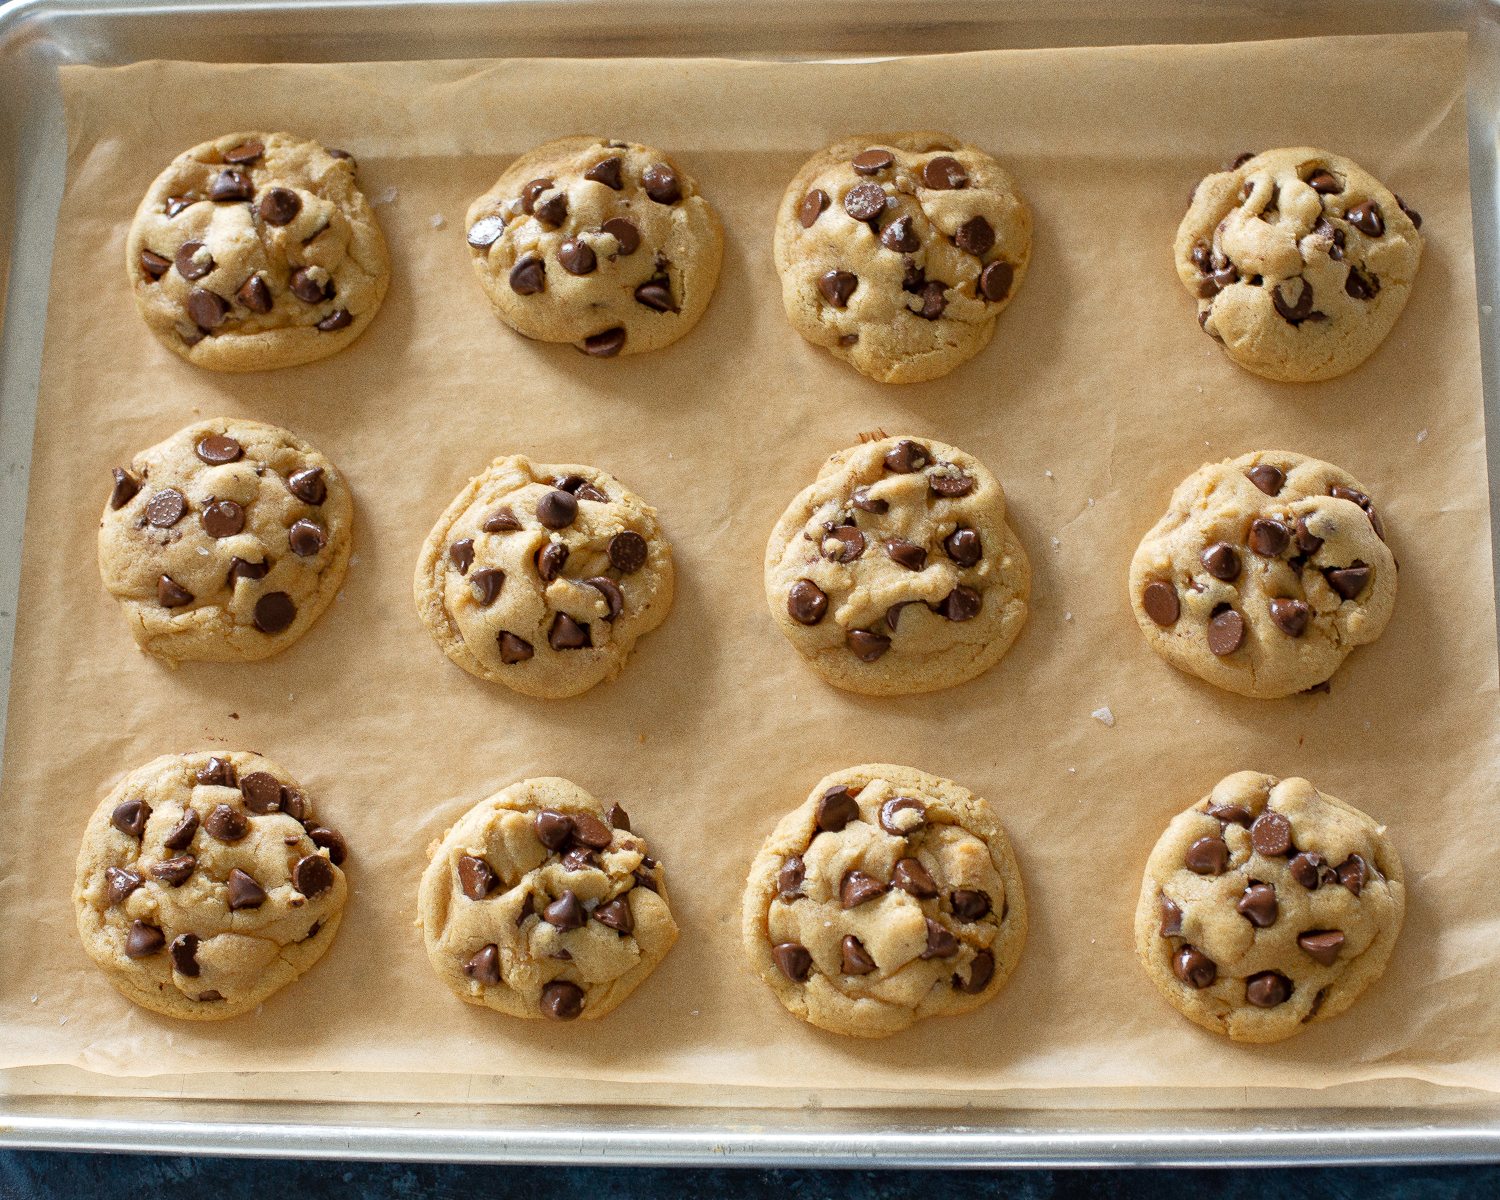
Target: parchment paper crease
[{"x": 1097, "y": 395}]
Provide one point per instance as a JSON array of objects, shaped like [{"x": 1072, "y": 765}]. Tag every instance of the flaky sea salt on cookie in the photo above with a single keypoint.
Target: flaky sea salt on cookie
[
  {"x": 540, "y": 902},
  {"x": 889, "y": 895},
  {"x": 1267, "y": 906},
  {"x": 255, "y": 251}
]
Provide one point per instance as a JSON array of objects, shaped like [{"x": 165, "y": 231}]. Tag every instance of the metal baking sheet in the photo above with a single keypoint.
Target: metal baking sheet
[{"x": 448, "y": 1118}]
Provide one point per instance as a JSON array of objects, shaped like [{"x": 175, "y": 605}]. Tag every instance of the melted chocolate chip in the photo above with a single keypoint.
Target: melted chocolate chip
[
  {"x": 218, "y": 772},
  {"x": 1267, "y": 989},
  {"x": 280, "y": 206},
  {"x": 170, "y": 595},
  {"x": 553, "y": 210},
  {"x": 166, "y": 508},
  {"x": 1323, "y": 182},
  {"x": 486, "y": 232},
  {"x": 661, "y": 183},
  {"x": 856, "y": 959},
  {"x": 255, "y": 295},
  {"x": 789, "y": 878},
  {"x": 307, "y": 289},
  {"x": 1171, "y": 917},
  {"x": 625, "y": 234},
  {"x": 175, "y": 871},
  {"x": 969, "y": 905},
  {"x": 627, "y": 552},
  {"x": 130, "y": 817},
  {"x": 274, "y": 612},
  {"x": 608, "y": 172},
  {"x": 981, "y": 971},
  {"x": 1194, "y": 967},
  {"x": 1267, "y": 478},
  {"x": 484, "y": 967},
  {"x": 865, "y": 645},
  {"x": 240, "y": 569},
  {"x": 792, "y": 960},
  {"x": 1348, "y": 581},
  {"x": 502, "y": 520},
  {"x": 857, "y": 888},
  {"x": 1268, "y": 538},
  {"x": 244, "y": 892},
  {"x": 836, "y": 808},
  {"x": 1308, "y": 869},
  {"x": 551, "y": 560},
  {"x": 562, "y": 1001},
  {"x": 1289, "y": 616},
  {"x": 553, "y": 829},
  {"x": 861, "y": 500},
  {"x": 934, "y": 300},
  {"x": 872, "y": 162},
  {"x": 616, "y": 915},
  {"x": 1207, "y": 856},
  {"x": 618, "y": 818},
  {"x": 905, "y": 554},
  {"x": 557, "y": 510},
  {"x": 143, "y": 940},
  {"x": 1306, "y": 542},
  {"x": 901, "y": 236},
  {"x": 944, "y": 174},
  {"x": 837, "y": 287},
  {"x": 476, "y": 878},
  {"x": 1258, "y": 905},
  {"x": 812, "y": 207},
  {"x": 656, "y": 294},
  {"x": 1221, "y": 561},
  {"x": 189, "y": 266},
  {"x": 154, "y": 265},
  {"x": 308, "y": 485},
  {"x": 897, "y": 825},
  {"x": 975, "y": 236},
  {"x": 528, "y": 276},
  {"x": 226, "y": 824},
  {"x": 1232, "y": 814},
  {"x": 184, "y": 952},
  {"x": 906, "y": 457},
  {"x": 181, "y": 836},
  {"x": 120, "y": 883},
  {"x": 940, "y": 942},
  {"x": 1159, "y": 599},
  {"x": 606, "y": 344},
  {"x": 806, "y": 602},
  {"x": 865, "y": 201},
  {"x": 1226, "y": 631},
  {"x": 313, "y": 875},
  {"x": 912, "y": 878},
  {"x": 1271, "y": 835},
  {"x": 126, "y": 486},
  {"x": 995, "y": 281},
  {"x": 1353, "y": 873},
  {"x": 566, "y": 912},
  {"x": 222, "y": 518},
  {"x": 1361, "y": 287},
  {"x": 1366, "y": 218},
  {"x": 513, "y": 649},
  {"x": 568, "y": 634}
]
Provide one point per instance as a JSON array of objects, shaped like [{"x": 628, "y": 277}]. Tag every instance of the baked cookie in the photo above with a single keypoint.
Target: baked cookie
[
  {"x": 890, "y": 895},
  {"x": 1266, "y": 906},
  {"x": 1266, "y": 571},
  {"x": 205, "y": 884},
  {"x": 540, "y": 903},
  {"x": 608, "y": 245},
  {"x": 1300, "y": 260},
  {"x": 896, "y": 571},
  {"x": 897, "y": 251},
  {"x": 542, "y": 577},
  {"x": 257, "y": 250},
  {"x": 225, "y": 542}
]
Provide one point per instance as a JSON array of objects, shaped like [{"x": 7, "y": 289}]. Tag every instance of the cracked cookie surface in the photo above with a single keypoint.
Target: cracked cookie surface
[
  {"x": 1265, "y": 574},
  {"x": 205, "y": 884},
  {"x": 1266, "y": 906},
  {"x": 896, "y": 571},
  {"x": 889, "y": 895},
  {"x": 1300, "y": 262},
  {"x": 225, "y": 542},
  {"x": 542, "y": 577},
  {"x": 540, "y": 902},
  {"x": 898, "y": 251},
  {"x": 255, "y": 251},
  {"x": 607, "y": 245}
]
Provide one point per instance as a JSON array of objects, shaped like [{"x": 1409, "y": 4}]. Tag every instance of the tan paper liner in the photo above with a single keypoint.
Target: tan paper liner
[{"x": 1096, "y": 397}]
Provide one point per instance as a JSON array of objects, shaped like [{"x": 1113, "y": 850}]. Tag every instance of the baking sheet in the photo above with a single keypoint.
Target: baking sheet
[{"x": 715, "y": 729}]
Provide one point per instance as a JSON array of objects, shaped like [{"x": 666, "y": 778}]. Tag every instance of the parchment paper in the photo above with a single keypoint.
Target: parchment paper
[{"x": 1097, "y": 395}]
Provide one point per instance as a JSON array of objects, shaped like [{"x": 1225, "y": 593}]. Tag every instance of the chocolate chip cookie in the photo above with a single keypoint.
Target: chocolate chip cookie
[
  {"x": 257, "y": 250},
  {"x": 205, "y": 884},
  {"x": 1266, "y": 906},
  {"x": 896, "y": 571},
  {"x": 897, "y": 252},
  {"x": 540, "y": 902},
  {"x": 542, "y": 577},
  {"x": 1300, "y": 261},
  {"x": 890, "y": 895},
  {"x": 608, "y": 245},
  {"x": 1265, "y": 573},
  {"x": 225, "y": 542}
]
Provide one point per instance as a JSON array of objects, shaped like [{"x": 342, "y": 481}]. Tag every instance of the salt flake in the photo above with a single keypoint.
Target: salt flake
[
  {"x": 386, "y": 197},
  {"x": 1067, "y": 616},
  {"x": 1422, "y": 437},
  {"x": 437, "y": 220},
  {"x": 1103, "y": 714}
]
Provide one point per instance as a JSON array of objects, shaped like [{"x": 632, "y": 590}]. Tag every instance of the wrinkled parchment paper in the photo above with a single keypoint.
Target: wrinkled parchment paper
[{"x": 1097, "y": 395}]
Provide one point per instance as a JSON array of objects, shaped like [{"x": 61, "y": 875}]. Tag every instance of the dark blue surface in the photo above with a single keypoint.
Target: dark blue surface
[{"x": 35, "y": 1175}]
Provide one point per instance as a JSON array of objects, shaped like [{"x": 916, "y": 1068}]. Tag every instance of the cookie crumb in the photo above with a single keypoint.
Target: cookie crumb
[
  {"x": 437, "y": 220},
  {"x": 62, "y": 1020},
  {"x": 1067, "y": 616},
  {"x": 1056, "y": 545},
  {"x": 33, "y": 997},
  {"x": 1422, "y": 437},
  {"x": 386, "y": 197},
  {"x": 1091, "y": 502},
  {"x": 1048, "y": 474},
  {"x": 1103, "y": 714}
]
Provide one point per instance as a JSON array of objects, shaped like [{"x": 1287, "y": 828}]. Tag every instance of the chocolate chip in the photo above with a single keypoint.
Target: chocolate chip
[
  {"x": 208, "y": 309},
  {"x": 486, "y": 231},
  {"x": 861, "y": 500},
  {"x": 896, "y": 825},
  {"x": 606, "y": 344},
  {"x": 793, "y": 960},
  {"x": 513, "y": 649},
  {"x": 607, "y": 172},
  {"x": 962, "y": 604},
  {"x": 856, "y": 959},
  {"x": 223, "y": 518},
  {"x": 568, "y": 634},
  {"x": 121, "y": 883},
  {"x": 975, "y": 236},
  {"x": 579, "y": 859},
  {"x": 226, "y": 824},
  {"x": 218, "y": 772},
  {"x": 995, "y": 280},
  {"x": 1306, "y": 542},
  {"x": 1267, "y": 989},
  {"x": 1353, "y": 873},
  {"x": 313, "y": 875},
  {"x": 905, "y": 554},
  {"x": 126, "y": 486},
  {"x": 1307, "y": 869},
  {"x": 1194, "y": 968},
  {"x": 1412, "y": 214},
  {"x": 566, "y": 912},
  {"x": 175, "y": 871},
  {"x": 166, "y": 508},
  {"x": 154, "y": 265},
  {"x": 1207, "y": 856},
  {"x": 934, "y": 300},
  {"x": 969, "y": 905},
  {"x": 143, "y": 940},
  {"x": 274, "y": 612},
  {"x": 244, "y": 892},
  {"x": 293, "y": 804},
  {"x": 627, "y": 552},
  {"x": 484, "y": 967},
  {"x": 1268, "y": 538},
  {"x": 553, "y": 829},
  {"x": 485, "y": 583},
  {"x": 240, "y": 569},
  {"x": 528, "y": 276},
  {"x": 661, "y": 184},
  {"x": 625, "y": 233},
  {"x": 1258, "y": 905},
  {"x": 872, "y": 162},
  {"x": 836, "y": 808},
  {"x": 245, "y": 152},
  {"x": 176, "y": 204},
  {"x": 1271, "y": 835},
  {"x": 944, "y": 174},
  {"x": 170, "y": 595},
  {"x": 1171, "y": 917},
  {"x": 901, "y": 236},
  {"x": 577, "y": 257},
  {"x": 1226, "y": 631},
  {"x": 553, "y": 210},
  {"x": 812, "y": 207},
  {"x": 551, "y": 560},
  {"x": 502, "y": 520},
  {"x": 865, "y": 201},
  {"x": 1232, "y": 814},
  {"x": 611, "y": 592},
  {"x": 964, "y": 547},
  {"x": 837, "y": 287},
  {"x": 557, "y": 510},
  {"x": 1159, "y": 599},
  {"x": 475, "y": 877},
  {"x": 331, "y": 840},
  {"x": 561, "y": 1001},
  {"x": 867, "y": 646},
  {"x": 857, "y": 888},
  {"x": 307, "y": 289},
  {"x": 616, "y": 915},
  {"x": 181, "y": 836},
  {"x": 789, "y": 878},
  {"x": 1349, "y": 581},
  {"x": 231, "y": 184},
  {"x": 656, "y": 295},
  {"x": 1289, "y": 616},
  {"x": 905, "y": 457},
  {"x": 332, "y": 153},
  {"x": 336, "y": 321},
  {"x": 940, "y": 943},
  {"x": 618, "y": 818},
  {"x": 893, "y": 613},
  {"x": 912, "y": 878},
  {"x": 806, "y": 603},
  {"x": 579, "y": 488},
  {"x": 981, "y": 971},
  {"x": 1323, "y": 182},
  {"x": 591, "y": 831},
  {"x": 1366, "y": 218},
  {"x": 184, "y": 952},
  {"x": 307, "y": 485},
  {"x": 280, "y": 206},
  {"x": 530, "y": 192},
  {"x": 1221, "y": 561},
  {"x": 912, "y": 276}
]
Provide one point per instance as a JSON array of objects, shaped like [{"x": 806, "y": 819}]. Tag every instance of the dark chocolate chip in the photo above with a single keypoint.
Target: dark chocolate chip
[
  {"x": 1159, "y": 599},
  {"x": 940, "y": 943},
  {"x": 806, "y": 602},
  {"x": 856, "y": 959},
  {"x": 530, "y": 192},
  {"x": 126, "y": 486},
  {"x": 995, "y": 280},
  {"x": 513, "y": 649},
  {"x": 181, "y": 836},
  {"x": 857, "y": 888},
  {"x": 1225, "y": 632},
  {"x": 557, "y": 509},
  {"x": 904, "y": 554},
  {"x": 143, "y": 940},
  {"x": 893, "y": 613},
  {"x": 528, "y": 276},
  {"x": 313, "y": 875},
  {"x": 1271, "y": 835},
  {"x": 867, "y": 646},
  {"x": 1171, "y": 917},
  {"x": 502, "y": 520},
  {"x": 611, "y": 592},
  {"x": 244, "y": 892},
  {"x": 981, "y": 971},
  {"x": 861, "y": 500},
  {"x": 184, "y": 952},
  {"x": 950, "y": 486},
  {"x": 591, "y": 831},
  {"x": 865, "y": 201},
  {"x": 1306, "y": 542},
  {"x": 812, "y": 207},
  {"x": 1359, "y": 287},
  {"x": 1258, "y": 905},
  {"x": 566, "y": 912},
  {"x": 579, "y": 859},
  {"x": 222, "y": 518},
  {"x": 1307, "y": 869},
  {"x": 308, "y": 485},
  {"x": 130, "y": 817},
  {"x": 170, "y": 595},
  {"x": 154, "y": 265},
  {"x": 656, "y": 294},
  {"x": 295, "y": 806},
  {"x": 1353, "y": 873},
  {"x": 625, "y": 233},
  {"x": 307, "y": 289},
  {"x": 486, "y": 231},
  {"x": 1322, "y": 944},
  {"x": 226, "y": 824},
  {"x": 789, "y": 878},
  {"x": 837, "y": 287},
  {"x": 577, "y": 257},
  {"x": 836, "y": 808},
  {"x": 627, "y": 552},
  {"x": 618, "y": 818},
  {"x": 280, "y": 206},
  {"x": 1366, "y": 218},
  {"x": 1412, "y": 214},
  {"x": 912, "y": 878},
  {"x": 553, "y": 210},
  {"x": 1268, "y": 538},
  {"x": 176, "y": 204},
  {"x": 331, "y": 840},
  {"x": 484, "y": 967},
  {"x": 872, "y": 162},
  {"x": 616, "y": 915},
  {"x": 166, "y": 508},
  {"x": 1323, "y": 182},
  {"x": 245, "y": 152},
  {"x": 1221, "y": 561},
  {"x": 562, "y": 1001},
  {"x": 1194, "y": 968},
  {"x": 175, "y": 871},
  {"x": 905, "y": 457},
  {"x": 661, "y": 183},
  {"x": 274, "y": 612},
  {"x": 231, "y": 184},
  {"x": 255, "y": 295},
  {"x": 1232, "y": 814},
  {"x": 486, "y": 583},
  {"x": 608, "y": 172},
  {"x": 120, "y": 883},
  {"x": 475, "y": 877},
  {"x": 944, "y": 174},
  {"x": 901, "y": 236},
  {"x": 1289, "y": 616},
  {"x": 934, "y": 300},
  {"x": 1267, "y": 989},
  {"x": 218, "y": 772},
  {"x": 340, "y": 319},
  {"x": 553, "y": 829},
  {"x": 793, "y": 960},
  {"x": 568, "y": 634},
  {"x": 606, "y": 344},
  {"x": 1293, "y": 312},
  {"x": 550, "y": 562},
  {"x": 891, "y": 820},
  {"x": 1348, "y": 581},
  {"x": 240, "y": 569},
  {"x": 975, "y": 236},
  {"x": 969, "y": 905},
  {"x": 964, "y": 547},
  {"x": 1207, "y": 856}
]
